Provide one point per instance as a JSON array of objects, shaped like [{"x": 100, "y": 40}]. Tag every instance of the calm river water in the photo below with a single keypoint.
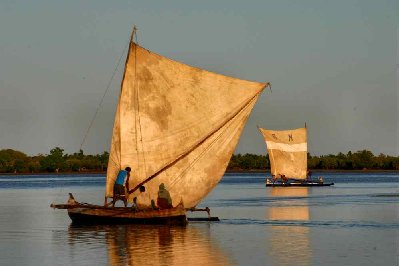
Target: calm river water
[{"x": 355, "y": 222}]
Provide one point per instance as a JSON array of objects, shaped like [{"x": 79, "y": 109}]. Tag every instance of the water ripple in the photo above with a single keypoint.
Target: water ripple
[{"x": 330, "y": 224}]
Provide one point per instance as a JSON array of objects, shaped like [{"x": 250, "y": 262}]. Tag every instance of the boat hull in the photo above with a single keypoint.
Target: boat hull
[
  {"x": 118, "y": 215},
  {"x": 299, "y": 184}
]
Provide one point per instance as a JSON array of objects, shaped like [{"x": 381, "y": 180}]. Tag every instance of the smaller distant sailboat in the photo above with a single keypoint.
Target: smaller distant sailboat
[{"x": 287, "y": 151}]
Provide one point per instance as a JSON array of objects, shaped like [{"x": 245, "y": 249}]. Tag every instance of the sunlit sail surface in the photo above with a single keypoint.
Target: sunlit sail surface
[
  {"x": 177, "y": 123},
  {"x": 287, "y": 151}
]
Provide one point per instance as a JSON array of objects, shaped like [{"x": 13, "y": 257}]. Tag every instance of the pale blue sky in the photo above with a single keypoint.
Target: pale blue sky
[{"x": 332, "y": 64}]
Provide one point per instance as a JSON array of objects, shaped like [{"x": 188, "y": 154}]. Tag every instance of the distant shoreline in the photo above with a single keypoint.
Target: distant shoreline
[
  {"x": 79, "y": 163},
  {"x": 228, "y": 172},
  {"x": 317, "y": 170}
]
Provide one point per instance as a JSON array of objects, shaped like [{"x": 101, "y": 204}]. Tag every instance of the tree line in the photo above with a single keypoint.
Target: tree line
[
  {"x": 12, "y": 161},
  {"x": 360, "y": 160}
]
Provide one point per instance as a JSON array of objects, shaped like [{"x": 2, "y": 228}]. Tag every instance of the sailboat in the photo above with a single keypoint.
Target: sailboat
[
  {"x": 174, "y": 124},
  {"x": 287, "y": 151}
]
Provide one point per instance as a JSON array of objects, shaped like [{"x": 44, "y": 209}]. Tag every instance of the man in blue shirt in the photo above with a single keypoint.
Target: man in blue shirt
[{"x": 122, "y": 181}]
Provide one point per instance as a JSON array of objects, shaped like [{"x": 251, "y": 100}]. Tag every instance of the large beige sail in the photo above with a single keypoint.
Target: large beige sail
[
  {"x": 178, "y": 123},
  {"x": 287, "y": 151}
]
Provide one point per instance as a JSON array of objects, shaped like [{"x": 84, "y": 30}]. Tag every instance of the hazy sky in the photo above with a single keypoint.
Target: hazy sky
[{"x": 332, "y": 64}]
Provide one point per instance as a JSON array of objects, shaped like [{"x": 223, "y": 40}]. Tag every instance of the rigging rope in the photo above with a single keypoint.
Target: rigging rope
[
  {"x": 98, "y": 108},
  {"x": 102, "y": 98}
]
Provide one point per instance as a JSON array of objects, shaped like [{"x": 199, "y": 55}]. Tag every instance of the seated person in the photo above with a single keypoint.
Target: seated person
[
  {"x": 143, "y": 199},
  {"x": 134, "y": 205},
  {"x": 284, "y": 179},
  {"x": 164, "y": 201}
]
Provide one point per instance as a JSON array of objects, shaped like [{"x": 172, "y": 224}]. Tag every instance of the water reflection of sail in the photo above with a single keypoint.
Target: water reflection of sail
[
  {"x": 163, "y": 246},
  {"x": 155, "y": 245},
  {"x": 293, "y": 211},
  {"x": 290, "y": 244}
]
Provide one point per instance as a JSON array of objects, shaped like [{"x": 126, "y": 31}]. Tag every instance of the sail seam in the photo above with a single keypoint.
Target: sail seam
[{"x": 300, "y": 147}]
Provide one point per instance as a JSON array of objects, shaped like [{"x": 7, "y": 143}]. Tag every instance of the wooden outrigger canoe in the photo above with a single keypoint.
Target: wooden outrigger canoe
[{"x": 83, "y": 213}]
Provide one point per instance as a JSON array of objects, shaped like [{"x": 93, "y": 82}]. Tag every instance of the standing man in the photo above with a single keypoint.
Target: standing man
[
  {"x": 122, "y": 181},
  {"x": 309, "y": 175}
]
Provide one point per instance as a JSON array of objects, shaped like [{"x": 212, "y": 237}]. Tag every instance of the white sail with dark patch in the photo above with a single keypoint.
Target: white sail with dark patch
[{"x": 176, "y": 124}]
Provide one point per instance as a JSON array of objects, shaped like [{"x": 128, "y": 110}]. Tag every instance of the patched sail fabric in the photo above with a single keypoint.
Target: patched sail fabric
[
  {"x": 176, "y": 124},
  {"x": 287, "y": 151}
]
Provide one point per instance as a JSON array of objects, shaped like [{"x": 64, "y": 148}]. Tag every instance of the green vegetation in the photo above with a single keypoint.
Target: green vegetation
[
  {"x": 360, "y": 160},
  {"x": 12, "y": 161},
  {"x": 17, "y": 162}
]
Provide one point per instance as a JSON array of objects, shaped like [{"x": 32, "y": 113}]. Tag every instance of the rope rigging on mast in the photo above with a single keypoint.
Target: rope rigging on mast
[{"x": 106, "y": 90}]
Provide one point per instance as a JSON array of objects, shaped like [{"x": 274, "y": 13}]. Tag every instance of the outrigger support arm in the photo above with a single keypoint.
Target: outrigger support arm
[
  {"x": 206, "y": 209},
  {"x": 72, "y": 203}
]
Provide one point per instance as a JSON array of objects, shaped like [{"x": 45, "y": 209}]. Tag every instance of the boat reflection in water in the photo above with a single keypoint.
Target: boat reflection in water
[
  {"x": 150, "y": 245},
  {"x": 289, "y": 244}
]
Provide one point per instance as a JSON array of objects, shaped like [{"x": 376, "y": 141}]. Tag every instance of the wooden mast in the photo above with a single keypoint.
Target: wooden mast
[{"x": 134, "y": 29}]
